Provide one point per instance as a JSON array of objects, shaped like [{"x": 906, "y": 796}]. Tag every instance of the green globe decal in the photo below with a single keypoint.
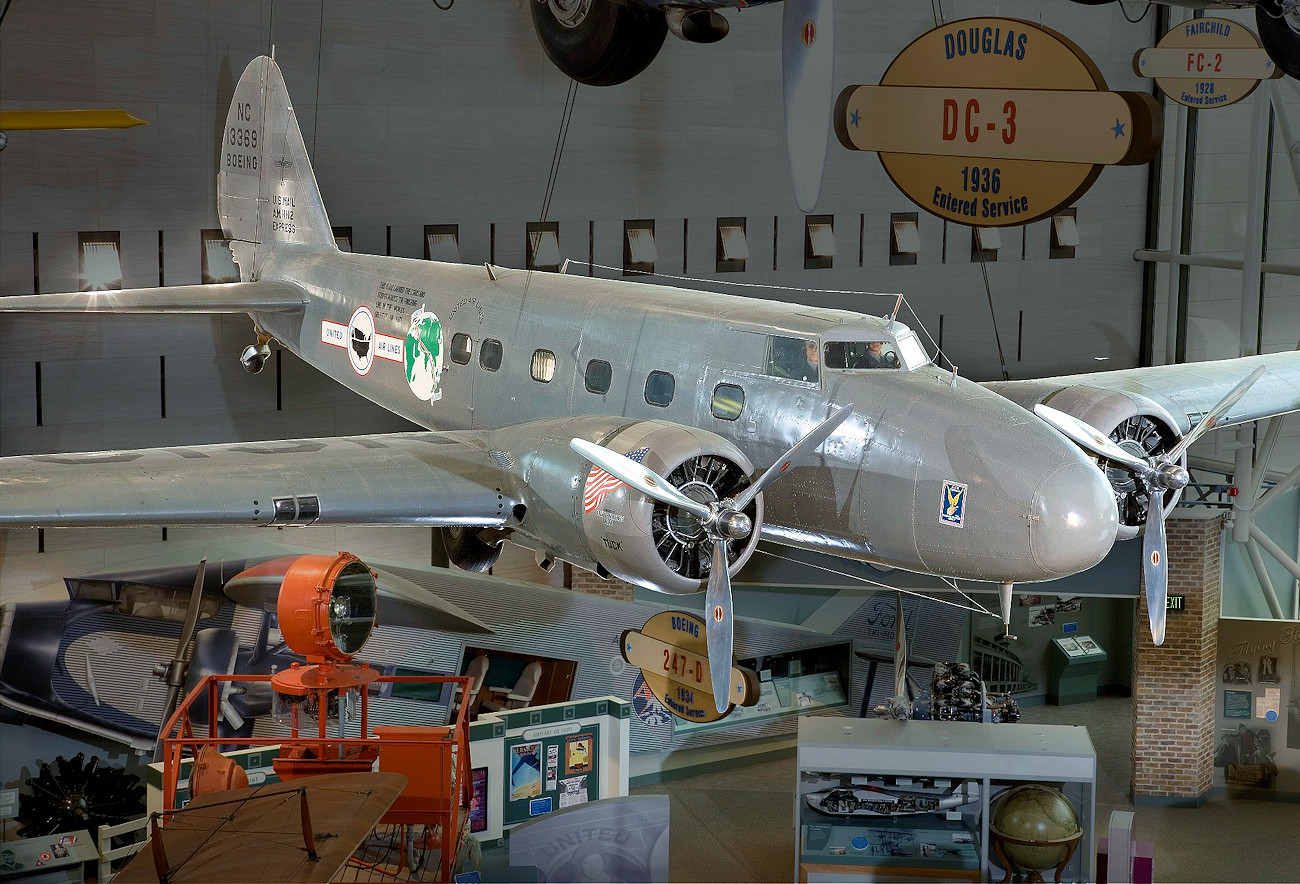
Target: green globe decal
[{"x": 423, "y": 353}]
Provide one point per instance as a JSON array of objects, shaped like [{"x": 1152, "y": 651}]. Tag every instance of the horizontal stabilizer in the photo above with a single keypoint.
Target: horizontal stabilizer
[{"x": 229, "y": 297}]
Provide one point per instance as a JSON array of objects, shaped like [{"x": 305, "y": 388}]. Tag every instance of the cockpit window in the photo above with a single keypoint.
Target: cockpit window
[
  {"x": 910, "y": 349},
  {"x": 795, "y": 358},
  {"x": 861, "y": 354}
]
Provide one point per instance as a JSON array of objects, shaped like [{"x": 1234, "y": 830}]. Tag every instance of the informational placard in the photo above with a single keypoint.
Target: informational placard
[
  {"x": 551, "y": 768},
  {"x": 1207, "y": 62},
  {"x": 996, "y": 122},
  {"x": 672, "y": 654},
  {"x": 1236, "y": 704}
]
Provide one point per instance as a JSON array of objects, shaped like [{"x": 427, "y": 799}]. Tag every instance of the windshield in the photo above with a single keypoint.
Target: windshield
[
  {"x": 911, "y": 351},
  {"x": 906, "y": 353}
]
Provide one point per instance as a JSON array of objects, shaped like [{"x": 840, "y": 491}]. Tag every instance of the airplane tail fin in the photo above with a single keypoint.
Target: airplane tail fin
[{"x": 266, "y": 190}]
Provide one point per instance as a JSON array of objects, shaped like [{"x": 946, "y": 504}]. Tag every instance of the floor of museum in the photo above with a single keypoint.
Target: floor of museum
[{"x": 737, "y": 825}]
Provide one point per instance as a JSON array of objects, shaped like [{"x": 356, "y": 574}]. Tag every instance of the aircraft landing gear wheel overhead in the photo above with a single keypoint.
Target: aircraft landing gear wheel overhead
[
  {"x": 598, "y": 42},
  {"x": 1279, "y": 30},
  {"x": 254, "y": 357},
  {"x": 467, "y": 551}
]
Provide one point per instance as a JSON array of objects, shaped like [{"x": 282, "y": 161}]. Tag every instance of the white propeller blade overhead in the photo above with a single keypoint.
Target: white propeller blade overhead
[
  {"x": 718, "y": 628},
  {"x": 1216, "y": 414},
  {"x": 643, "y": 479},
  {"x": 808, "y": 70},
  {"x": 805, "y": 446}
]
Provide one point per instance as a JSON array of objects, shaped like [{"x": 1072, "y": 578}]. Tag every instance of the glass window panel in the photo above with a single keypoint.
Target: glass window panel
[
  {"x": 489, "y": 355},
  {"x": 462, "y": 347},
  {"x": 728, "y": 402},
  {"x": 543, "y": 368},
  {"x": 599, "y": 376},
  {"x": 659, "y": 388}
]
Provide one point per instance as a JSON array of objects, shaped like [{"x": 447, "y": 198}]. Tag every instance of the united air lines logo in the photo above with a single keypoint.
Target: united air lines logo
[
  {"x": 424, "y": 356},
  {"x": 361, "y": 340},
  {"x": 952, "y": 508}
]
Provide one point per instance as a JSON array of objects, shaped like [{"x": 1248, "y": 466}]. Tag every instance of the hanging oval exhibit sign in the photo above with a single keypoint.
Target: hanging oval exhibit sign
[
  {"x": 1207, "y": 62},
  {"x": 961, "y": 133},
  {"x": 672, "y": 654}
]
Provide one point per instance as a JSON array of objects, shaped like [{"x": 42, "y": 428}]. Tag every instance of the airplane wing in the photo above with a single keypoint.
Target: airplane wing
[
  {"x": 256, "y": 834},
  {"x": 229, "y": 297},
  {"x": 391, "y": 479},
  {"x": 1187, "y": 391}
]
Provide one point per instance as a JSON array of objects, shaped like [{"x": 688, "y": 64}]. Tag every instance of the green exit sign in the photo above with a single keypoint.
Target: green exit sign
[{"x": 1174, "y": 603}]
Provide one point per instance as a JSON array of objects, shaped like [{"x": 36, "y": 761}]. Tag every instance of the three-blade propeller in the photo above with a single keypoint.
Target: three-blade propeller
[
  {"x": 1158, "y": 474},
  {"x": 723, "y": 521}
]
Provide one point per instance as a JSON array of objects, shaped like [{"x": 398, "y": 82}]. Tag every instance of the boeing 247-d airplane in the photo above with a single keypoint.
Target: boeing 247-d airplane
[{"x": 636, "y": 430}]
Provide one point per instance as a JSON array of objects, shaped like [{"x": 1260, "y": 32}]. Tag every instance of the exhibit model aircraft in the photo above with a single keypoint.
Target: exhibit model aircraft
[
  {"x": 607, "y": 42},
  {"x": 632, "y": 429}
]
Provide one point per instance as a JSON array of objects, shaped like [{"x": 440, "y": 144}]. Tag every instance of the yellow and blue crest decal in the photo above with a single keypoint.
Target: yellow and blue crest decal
[{"x": 952, "y": 508}]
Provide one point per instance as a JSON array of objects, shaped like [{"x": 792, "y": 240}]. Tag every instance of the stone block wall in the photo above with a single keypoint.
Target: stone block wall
[{"x": 1174, "y": 686}]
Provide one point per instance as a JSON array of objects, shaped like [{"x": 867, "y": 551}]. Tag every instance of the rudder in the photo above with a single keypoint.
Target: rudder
[{"x": 266, "y": 190}]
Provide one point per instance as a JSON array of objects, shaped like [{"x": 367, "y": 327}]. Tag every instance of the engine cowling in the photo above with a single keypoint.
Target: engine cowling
[
  {"x": 1137, "y": 424},
  {"x": 583, "y": 515}
]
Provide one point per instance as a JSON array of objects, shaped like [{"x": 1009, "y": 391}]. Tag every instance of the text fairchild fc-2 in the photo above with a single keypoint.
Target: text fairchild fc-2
[{"x": 530, "y": 384}]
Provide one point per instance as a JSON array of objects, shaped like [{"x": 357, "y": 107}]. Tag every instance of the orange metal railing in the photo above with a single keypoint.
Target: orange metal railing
[{"x": 434, "y": 759}]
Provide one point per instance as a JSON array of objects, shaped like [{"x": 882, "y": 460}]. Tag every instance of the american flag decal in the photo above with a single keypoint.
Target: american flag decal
[{"x": 601, "y": 483}]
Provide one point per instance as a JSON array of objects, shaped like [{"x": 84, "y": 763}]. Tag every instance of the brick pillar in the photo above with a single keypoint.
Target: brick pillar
[
  {"x": 1174, "y": 685},
  {"x": 585, "y": 581}
]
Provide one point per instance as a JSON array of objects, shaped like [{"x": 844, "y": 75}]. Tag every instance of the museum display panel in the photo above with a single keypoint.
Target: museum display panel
[{"x": 876, "y": 800}]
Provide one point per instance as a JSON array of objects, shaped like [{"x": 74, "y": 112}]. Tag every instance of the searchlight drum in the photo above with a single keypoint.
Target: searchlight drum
[{"x": 326, "y": 612}]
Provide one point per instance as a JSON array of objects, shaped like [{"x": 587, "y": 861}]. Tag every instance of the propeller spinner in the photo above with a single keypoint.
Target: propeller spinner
[
  {"x": 1158, "y": 473},
  {"x": 721, "y": 520}
]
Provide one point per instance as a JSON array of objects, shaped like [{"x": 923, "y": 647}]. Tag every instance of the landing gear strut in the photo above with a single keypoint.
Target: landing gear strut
[{"x": 1004, "y": 599}]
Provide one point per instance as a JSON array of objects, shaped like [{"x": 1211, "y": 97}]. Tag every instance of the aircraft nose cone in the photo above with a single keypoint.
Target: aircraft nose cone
[{"x": 1074, "y": 519}]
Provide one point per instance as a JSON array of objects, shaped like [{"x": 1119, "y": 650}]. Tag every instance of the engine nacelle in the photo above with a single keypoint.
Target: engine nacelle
[
  {"x": 581, "y": 514},
  {"x": 1137, "y": 424}
]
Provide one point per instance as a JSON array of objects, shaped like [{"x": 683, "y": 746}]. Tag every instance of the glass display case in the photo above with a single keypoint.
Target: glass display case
[{"x": 882, "y": 800}]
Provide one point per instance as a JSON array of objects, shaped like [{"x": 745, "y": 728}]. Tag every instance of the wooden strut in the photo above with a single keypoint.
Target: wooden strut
[
  {"x": 307, "y": 835},
  {"x": 159, "y": 856}
]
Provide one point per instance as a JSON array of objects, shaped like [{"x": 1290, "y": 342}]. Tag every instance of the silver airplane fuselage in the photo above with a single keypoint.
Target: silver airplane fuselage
[{"x": 932, "y": 473}]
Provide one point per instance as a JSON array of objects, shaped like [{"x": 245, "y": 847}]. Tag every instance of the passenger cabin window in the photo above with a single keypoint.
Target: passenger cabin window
[
  {"x": 795, "y": 358},
  {"x": 659, "y": 388},
  {"x": 861, "y": 354},
  {"x": 489, "y": 355},
  {"x": 599, "y": 375},
  {"x": 543, "y": 366},
  {"x": 461, "y": 348},
  {"x": 728, "y": 401}
]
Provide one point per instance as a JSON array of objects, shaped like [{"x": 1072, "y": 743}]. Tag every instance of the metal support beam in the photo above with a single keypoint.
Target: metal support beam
[
  {"x": 1289, "y": 142},
  {"x": 1257, "y": 536},
  {"x": 1251, "y": 293},
  {"x": 1214, "y": 261},
  {"x": 1176, "y": 233},
  {"x": 1271, "y": 496}
]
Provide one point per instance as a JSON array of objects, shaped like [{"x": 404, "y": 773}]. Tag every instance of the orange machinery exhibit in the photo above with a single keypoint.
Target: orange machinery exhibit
[{"x": 326, "y": 611}]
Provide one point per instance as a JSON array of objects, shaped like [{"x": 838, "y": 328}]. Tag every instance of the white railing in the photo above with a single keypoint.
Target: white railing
[{"x": 107, "y": 855}]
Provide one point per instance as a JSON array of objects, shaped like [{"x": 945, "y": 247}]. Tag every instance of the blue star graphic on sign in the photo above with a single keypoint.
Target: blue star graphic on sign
[
  {"x": 854, "y": 118},
  {"x": 1118, "y": 128}
]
